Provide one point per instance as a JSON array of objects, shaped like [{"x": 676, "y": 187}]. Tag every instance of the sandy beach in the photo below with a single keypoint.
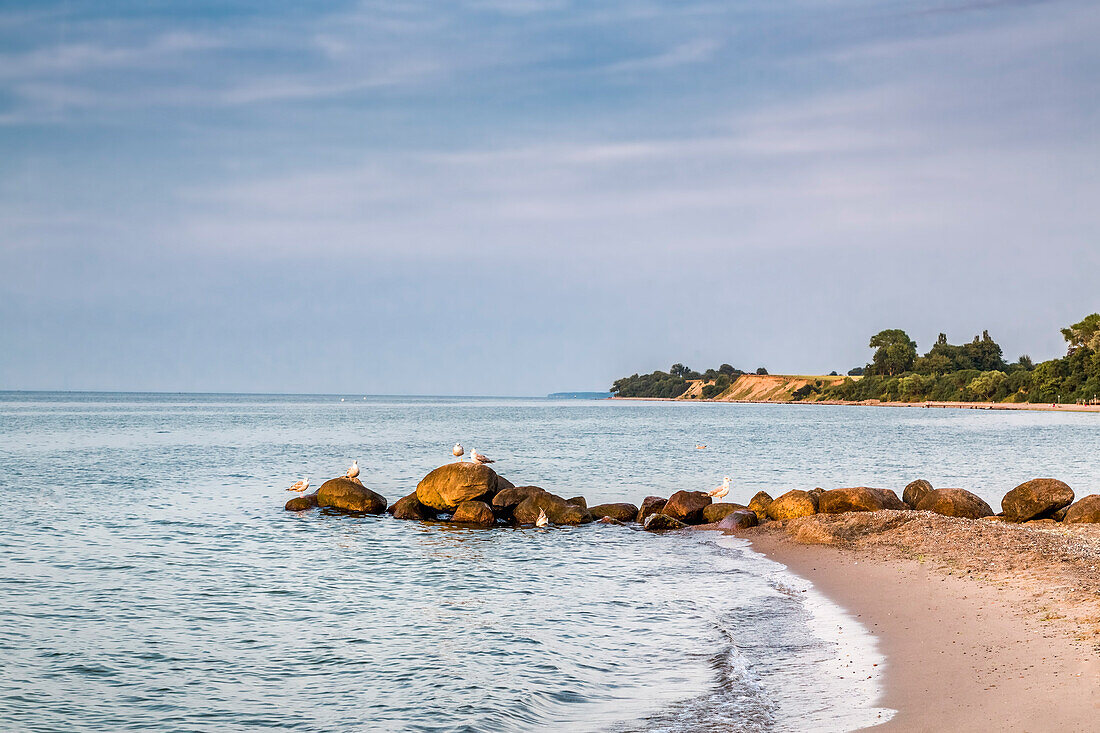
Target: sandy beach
[
  {"x": 984, "y": 625},
  {"x": 1012, "y": 406}
]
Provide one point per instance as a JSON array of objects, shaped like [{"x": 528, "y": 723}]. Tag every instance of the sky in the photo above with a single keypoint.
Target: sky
[{"x": 514, "y": 197}]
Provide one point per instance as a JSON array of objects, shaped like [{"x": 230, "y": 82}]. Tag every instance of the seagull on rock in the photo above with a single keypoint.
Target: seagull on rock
[
  {"x": 542, "y": 520},
  {"x": 722, "y": 490},
  {"x": 300, "y": 486},
  {"x": 480, "y": 458},
  {"x": 354, "y": 470},
  {"x": 457, "y": 451}
]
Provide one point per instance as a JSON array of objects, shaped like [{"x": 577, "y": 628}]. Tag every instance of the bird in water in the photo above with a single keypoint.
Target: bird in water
[
  {"x": 457, "y": 451},
  {"x": 300, "y": 485},
  {"x": 700, "y": 446},
  {"x": 542, "y": 520},
  {"x": 480, "y": 458},
  {"x": 354, "y": 470},
  {"x": 722, "y": 490}
]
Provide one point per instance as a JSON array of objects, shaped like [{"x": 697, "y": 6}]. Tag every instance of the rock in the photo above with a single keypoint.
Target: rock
[
  {"x": 650, "y": 505},
  {"x": 1060, "y": 515},
  {"x": 508, "y": 499},
  {"x": 718, "y": 512},
  {"x": 474, "y": 512},
  {"x": 622, "y": 511},
  {"x": 954, "y": 503},
  {"x": 350, "y": 495},
  {"x": 448, "y": 486},
  {"x": 854, "y": 499},
  {"x": 1036, "y": 499},
  {"x": 687, "y": 506},
  {"x": 1045, "y": 520},
  {"x": 915, "y": 491},
  {"x": 759, "y": 504},
  {"x": 578, "y": 501},
  {"x": 794, "y": 503},
  {"x": 1085, "y": 511},
  {"x": 608, "y": 519},
  {"x": 816, "y": 494},
  {"x": 409, "y": 507},
  {"x": 302, "y": 503},
  {"x": 740, "y": 519},
  {"x": 557, "y": 509},
  {"x": 890, "y": 500},
  {"x": 661, "y": 522},
  {"x": 503, "y": 483}
]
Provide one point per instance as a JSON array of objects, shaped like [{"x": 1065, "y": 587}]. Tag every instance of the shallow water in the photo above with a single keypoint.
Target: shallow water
[{"x": 152, "y": 579}]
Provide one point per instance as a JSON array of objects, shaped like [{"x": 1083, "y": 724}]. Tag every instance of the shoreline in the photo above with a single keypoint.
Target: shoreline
[
  {"x": 983, "y": 626},
  {"x": 1018, "y": 406}
]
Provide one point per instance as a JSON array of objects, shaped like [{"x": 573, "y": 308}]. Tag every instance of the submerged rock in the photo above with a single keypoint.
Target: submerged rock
[
  {"x": 474, "y": 512},
  {"x": 650, "y": 505},
  {"x": 557, "y": 509},
  {"x": 661, "y": 522},
  {"x": 448, "y": 486},
  {"x": 350, "y": 495},
  {"x": 955, "y": 503},
  {"x": 409, "y": 507},
  {"x": 687, "y": 506},
  {"x": 1085, "y": 511},
  {"x": 621, "y": 511},
  {"x": 740, "y": 519},
  {"x": 718, "y": 512},
  {"x": 302, "y": 503},
  {"x": 854, "y": 499},
  {"x": 915, "y": 491},
  {"x": 795, "y": 503},
  {"x": 607, "y": 519},
  {"x": 759, "y": 504},
  {"x": 1036, "y": 499}
]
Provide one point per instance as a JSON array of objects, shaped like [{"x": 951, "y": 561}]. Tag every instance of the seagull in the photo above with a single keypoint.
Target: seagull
[
  {"x": 354, "y": 470},
  {"x": 542, "y": 520},
  {"x": 700, "y": 446},
  {"x": 480, "y": 458},
  {"x": 457, "y": 451},
  {"x": 300, "y": 485},
  {"x": 722, "y": 490}
]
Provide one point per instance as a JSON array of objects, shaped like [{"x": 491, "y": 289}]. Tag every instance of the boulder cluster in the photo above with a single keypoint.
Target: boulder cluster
[{"x": 474, "y": 495}]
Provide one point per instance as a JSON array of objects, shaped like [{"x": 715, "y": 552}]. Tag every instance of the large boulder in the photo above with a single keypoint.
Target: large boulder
[
  {"x": 650, "y": 505},
  {"x": 717, "y": 512},
  {"x": 1085, "y": 511},
  {"x": 349, "y": 495},
  {"x": 759, "y": 504},
  {"x": 302, "y": 503},
  {"x": 661, "y": 522},
  {"x": 557, "y": 509},
  {"x": 448, "y": 486},
  {"x": 740, "y": 519},
  {"x": 1036, "y": 499},
  {"x": 854, "y": 499},
  {"x": 890, "y": 500},
  {"x": 687, "y": 506},
  {"x": 409, "y": 507},
  {"x": 915, "y": 491},
  {"x": 622, "y": 511},
  {"x": 506, "y": 501},
  {"x": 578, "y": 501},
  {"x": 474, "y": 512},
  {"x": 795, "y": 503},
  {"x": 954, "y": 503}
]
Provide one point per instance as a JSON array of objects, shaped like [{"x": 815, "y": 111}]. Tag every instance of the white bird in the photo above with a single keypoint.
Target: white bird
[
  {"x": 722, "y": 490},
  {"x": 354, "y": 470},
  {"x": 480, "y": 458},
  {"x": 300, "y": 485},
  {"x": 457, "y": 451},
  {"x": 542, "y": 520}
]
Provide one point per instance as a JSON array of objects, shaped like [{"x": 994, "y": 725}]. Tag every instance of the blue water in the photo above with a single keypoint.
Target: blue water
[{"x": 152, "y": 580}]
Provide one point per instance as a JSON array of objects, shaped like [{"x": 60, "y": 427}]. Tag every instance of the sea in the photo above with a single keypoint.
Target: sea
[{"x": 151, "y": 579}]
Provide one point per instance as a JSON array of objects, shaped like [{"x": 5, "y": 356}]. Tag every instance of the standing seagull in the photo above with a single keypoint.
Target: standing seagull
[
  {"x": 542, "y": 519},
  {"x": 457, "y": 451},
  {"x": 722, "y": 490},
  {"x": 479, "y": 458},
  {"x": 300, "y": 485},
  {"x": 354, "y": 470}
]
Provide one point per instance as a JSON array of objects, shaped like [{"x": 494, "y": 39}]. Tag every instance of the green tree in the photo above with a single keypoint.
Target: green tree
[
  {"x": 895, "y": 352},
  {"x": 762, "y": 371},
  {"x": 1084, "y": 334}
]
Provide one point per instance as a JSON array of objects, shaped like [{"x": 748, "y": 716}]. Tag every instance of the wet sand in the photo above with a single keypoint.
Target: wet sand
[{"x": 984, "y": 626}]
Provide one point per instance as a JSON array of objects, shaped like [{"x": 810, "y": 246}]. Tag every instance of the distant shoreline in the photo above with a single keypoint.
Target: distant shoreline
[{"x": 1032, "y": 406}]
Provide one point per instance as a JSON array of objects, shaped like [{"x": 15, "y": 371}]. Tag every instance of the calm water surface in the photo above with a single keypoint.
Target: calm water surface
[{"x": 152, "y": 579}]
